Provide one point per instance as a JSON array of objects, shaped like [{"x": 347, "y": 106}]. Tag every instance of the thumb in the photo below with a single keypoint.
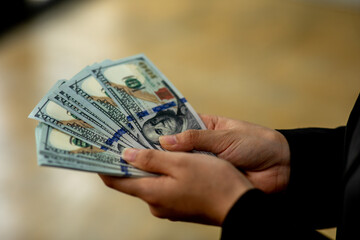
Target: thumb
[
  {"x": 149, "y": 160},
  {"x": 202, "y": 140}
]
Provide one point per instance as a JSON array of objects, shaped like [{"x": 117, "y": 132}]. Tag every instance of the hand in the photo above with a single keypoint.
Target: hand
[
  {"x": 193, "y": 187},
  {"x": 261, "y": 153}
]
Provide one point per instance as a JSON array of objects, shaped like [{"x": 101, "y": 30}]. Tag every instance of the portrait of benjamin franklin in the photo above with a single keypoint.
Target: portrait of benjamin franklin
[
  {"x": 164, "y": 123},
  {"x": 168, "y": 122}
]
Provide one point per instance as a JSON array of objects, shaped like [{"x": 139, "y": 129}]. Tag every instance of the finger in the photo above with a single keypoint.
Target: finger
[
  {"x": 138, "y": 187},
  {"x": 210, "y": 121},
  {"x": 203, "y": 140},
  {"x": 150, "y": 160}
]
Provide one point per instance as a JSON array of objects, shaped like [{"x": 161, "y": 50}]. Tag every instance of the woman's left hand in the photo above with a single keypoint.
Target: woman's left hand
[{"x": 191, "y": 187}]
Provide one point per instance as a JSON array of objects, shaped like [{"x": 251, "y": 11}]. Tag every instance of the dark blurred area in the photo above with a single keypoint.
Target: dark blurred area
[{"x": 18, "y": 11}]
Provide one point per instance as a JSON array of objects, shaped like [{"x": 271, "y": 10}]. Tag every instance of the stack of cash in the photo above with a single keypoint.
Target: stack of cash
[{"x": 86, "y": 122}]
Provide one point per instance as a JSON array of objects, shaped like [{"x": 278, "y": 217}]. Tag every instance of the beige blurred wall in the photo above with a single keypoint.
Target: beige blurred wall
[{"x": 279, "y": 63}]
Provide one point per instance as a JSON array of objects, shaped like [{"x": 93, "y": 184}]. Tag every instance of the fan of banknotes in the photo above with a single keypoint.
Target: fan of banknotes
[{"x": 87, "y": 121}]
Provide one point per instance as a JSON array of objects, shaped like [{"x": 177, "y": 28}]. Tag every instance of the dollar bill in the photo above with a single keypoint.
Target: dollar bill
[
  {"x": 80, "y": 112},
  {"x": 75, "y": 164},
  {"x": 153, "y": 104},
  {"x": 53, "y": 114},
  {"x": 56, "y": 148},
  {"x": 77, "y": 109},
  {"x": 87, "y": 91},
  {"x": 106, "y": 107}
]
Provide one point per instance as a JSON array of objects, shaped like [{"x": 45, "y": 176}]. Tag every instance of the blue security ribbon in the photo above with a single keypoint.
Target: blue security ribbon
[
  {"x": 116, "y": 136},
  {"x": 154, "y": 109},
  {"x": 183, "y": 100},
  {"x": 164, "y": 106},
  {"x": 142, "y": 114},
  {"x": 123, "y": 168},
  {"x": 130, "y": 126}
]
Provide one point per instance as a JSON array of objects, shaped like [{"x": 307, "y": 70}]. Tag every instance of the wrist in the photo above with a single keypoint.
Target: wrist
[{"x": 240, "y": 187}]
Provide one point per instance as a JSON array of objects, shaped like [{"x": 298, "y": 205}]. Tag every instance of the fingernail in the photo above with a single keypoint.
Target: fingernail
[
  {"x": 168, "y": 140},
  {"x": 129, "y": 154}
]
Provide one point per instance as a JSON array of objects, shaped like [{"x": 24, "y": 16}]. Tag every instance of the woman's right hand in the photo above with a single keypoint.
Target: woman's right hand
[{"x": 261, "y": 153}]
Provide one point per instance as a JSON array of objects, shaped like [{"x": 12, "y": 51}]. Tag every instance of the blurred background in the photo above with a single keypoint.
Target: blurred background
[{"x": 279, "y": 63}]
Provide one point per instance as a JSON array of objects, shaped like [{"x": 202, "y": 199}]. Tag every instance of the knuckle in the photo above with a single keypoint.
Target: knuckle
[
  {"x": 147, "y": 153},
  {"x": 180, "y": 162},
  {"x": 157, "y": 212},
  {"x": 228, "y": 134},
  {"x": 191, "y": 135},
  {"x": 151, "y": 196},
  {"x": 108, "y": 182},
  {"x": 151, "y": 200},
  {"x": 146, "y": 157},
  {"x": 142, "y": 190}
]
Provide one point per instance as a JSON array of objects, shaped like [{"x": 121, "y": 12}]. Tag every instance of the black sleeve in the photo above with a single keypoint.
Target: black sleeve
[
  {"x": 257, "y": 215},
  {"x": 316, "y": 158},
  {"x": 311, "y": 199}
]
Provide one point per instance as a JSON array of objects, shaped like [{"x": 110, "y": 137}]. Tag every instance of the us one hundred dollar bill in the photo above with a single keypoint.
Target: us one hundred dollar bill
[
  {"x": 56, "y": 147},
  {"x": 86, "y": 122},
  {"x": 148, "y": 98},
  {"x": 55, "y": 115}
]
